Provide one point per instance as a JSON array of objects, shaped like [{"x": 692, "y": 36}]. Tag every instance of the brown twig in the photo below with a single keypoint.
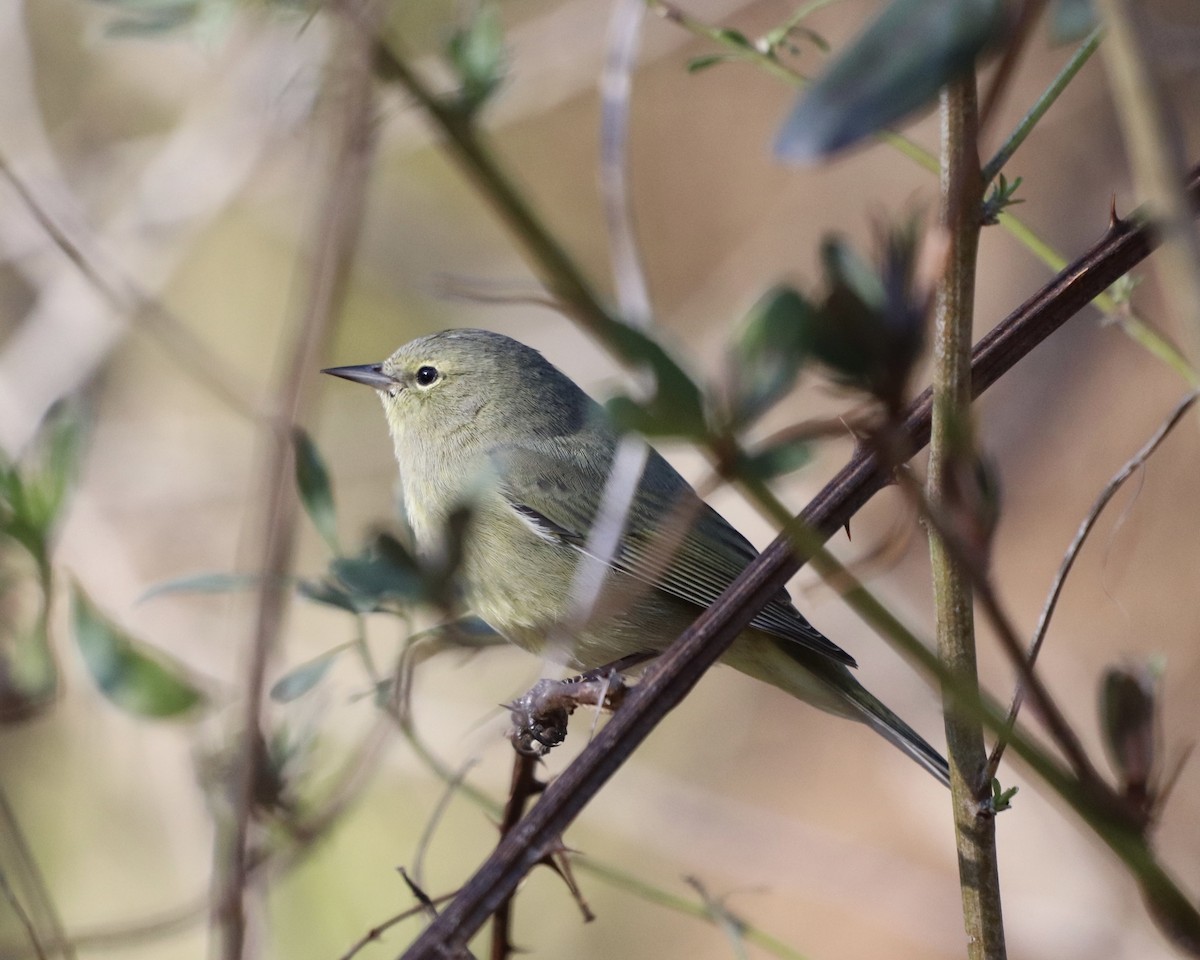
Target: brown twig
[
  {"x": 703, "y": 643},
  {"x": 1085, "y": 528},
  {"x": 525, "y": 785},
  {"x": 337, "y": 227},
  {"x": 125, "y": 297},
  {"x": 376, "y": 933},
  {"x": 1022, "y": 28}
]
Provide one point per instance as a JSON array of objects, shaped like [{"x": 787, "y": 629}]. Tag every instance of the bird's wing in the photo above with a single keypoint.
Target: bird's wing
[{"x": 672, "y": 541}]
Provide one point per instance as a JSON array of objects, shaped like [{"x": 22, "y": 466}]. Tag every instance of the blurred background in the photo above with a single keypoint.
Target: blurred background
[{"x": 188, "y": 165}]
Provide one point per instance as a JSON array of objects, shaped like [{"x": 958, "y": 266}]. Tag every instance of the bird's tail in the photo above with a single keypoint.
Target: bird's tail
[
  {"x": 898, "y": 733},
  {"x": 831, "y": 686}
]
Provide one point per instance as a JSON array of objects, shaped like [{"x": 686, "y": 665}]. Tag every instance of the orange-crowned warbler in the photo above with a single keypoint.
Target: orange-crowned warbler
[{"x": 484, "y": 422}]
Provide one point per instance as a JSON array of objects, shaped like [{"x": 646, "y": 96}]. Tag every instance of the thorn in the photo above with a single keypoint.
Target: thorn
[
  {"x": 847, "y": 529},
  {"x": 557, "y": 860},
  {"x": 1116, "y": 224}
]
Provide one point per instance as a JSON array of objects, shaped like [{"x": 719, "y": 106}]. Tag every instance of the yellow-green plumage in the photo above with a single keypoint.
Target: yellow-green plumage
[{"x": 479, "y": 419}]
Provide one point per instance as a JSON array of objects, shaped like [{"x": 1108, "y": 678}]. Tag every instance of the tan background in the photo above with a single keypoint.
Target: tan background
[{"x": 190, "y": 164}]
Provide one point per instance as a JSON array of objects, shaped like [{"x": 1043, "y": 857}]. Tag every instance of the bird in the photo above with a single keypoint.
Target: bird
[{"x": 481, "y": 421}]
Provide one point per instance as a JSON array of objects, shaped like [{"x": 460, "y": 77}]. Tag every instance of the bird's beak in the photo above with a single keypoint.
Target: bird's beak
[{"x": 370, "y": 374}]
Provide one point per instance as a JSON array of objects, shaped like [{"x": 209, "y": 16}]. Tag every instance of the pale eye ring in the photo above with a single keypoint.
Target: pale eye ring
[{"x": 427, "y": 376}]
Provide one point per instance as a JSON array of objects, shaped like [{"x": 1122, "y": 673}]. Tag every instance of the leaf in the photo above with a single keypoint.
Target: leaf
[
  {"x": 298, "y": 681},
  {"x": 677, "y": 407},
  {"x": 141, "y": 681},
  {"x": 330, "y": 594},
  {"x": 34, "y": 492},
  {"x": 312, "y": 480},
  {"x": 28, "y": 666},
  {"x": 476, "y": 52},
  {"x": 1071, "y": 20},
  {"x": 896, "y": 66},
  {"x": 735, "y": 37},
  {"x": 696, "y": 64},
  {"x": 203, "y": 583},
  {"x": 380, "y": 576},
  {"x": 779, "y": 459},
  {"x": 768, "y": 354}
]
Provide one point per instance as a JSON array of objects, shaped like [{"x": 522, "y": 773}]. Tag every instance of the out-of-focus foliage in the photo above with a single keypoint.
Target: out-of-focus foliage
[{"x": 897, "y": 65}]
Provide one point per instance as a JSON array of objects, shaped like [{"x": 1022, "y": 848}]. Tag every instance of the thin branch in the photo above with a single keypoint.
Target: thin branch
[
  {"x": 1131, "y": 466},
  {"x": 525, "y": 785},
  {"x": 1031, "y": 119},
  {"x": 1021, "y": 28},
  {"x": 616, "y": 83},
  {"x": 1056, "y": 723},
  {"x": 23, "y": 918},
  {"x": 21, "y": 866},
  {"x": 124, "y": 296},
  {"x": 336, "y": 232},
  {"x": 376, "y": 933},
  {"x": 1017, "y": 228},
  {"x": 722, "y": 917},
  {"x": 701, "y": 645},
  {"x": 1152, "y": 143},
  {"x": 435, "y": 819}
]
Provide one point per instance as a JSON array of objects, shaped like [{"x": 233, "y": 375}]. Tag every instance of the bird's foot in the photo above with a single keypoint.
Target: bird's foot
[{"x": 540, "y": 716}]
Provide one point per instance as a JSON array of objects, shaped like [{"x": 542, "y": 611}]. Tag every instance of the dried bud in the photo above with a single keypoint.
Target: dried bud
[{"x": 1129, "y": 723}]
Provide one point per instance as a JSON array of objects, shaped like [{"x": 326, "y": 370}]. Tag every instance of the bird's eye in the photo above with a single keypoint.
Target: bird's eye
[{"x": 427, "y": 376}]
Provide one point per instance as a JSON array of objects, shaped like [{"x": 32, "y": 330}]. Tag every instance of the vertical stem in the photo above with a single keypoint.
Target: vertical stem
[
  {"x": 341, "y": 203},
  {"x": 974, "y": 824}
]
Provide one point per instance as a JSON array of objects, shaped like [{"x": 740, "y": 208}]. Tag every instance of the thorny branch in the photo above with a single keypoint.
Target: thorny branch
[{"x": 699, "y": 647}]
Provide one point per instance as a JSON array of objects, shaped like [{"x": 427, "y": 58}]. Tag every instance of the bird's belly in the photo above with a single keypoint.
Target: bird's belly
[{"x": 528, "y": 599}]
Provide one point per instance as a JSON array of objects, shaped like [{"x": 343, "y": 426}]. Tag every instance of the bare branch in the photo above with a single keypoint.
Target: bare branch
[
  {"x": 701, "y": 645},
  {"x": 1085, "y": 528},
  {"x": 336, "y": 234}
]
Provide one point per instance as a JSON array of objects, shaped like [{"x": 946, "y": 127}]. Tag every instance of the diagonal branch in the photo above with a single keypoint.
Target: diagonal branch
[
  {"x": 1132, "y": 465},
  {"x": 678, "y": 670}
]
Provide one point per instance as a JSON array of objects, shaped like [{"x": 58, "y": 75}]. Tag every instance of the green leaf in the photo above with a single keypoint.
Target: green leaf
[
  {"x": 298, "y": 681},
  {"x": 735, "y": 37},
  {"x": 1001, "y": 798},
  {"x": 768, "y": 354},
  {"x": 677, "y": 407},
  {"x": 34, "y": 492},
  {"x": 381, "y": 576},
  {"x": 330, "y": 594},
  {"x": 896, "y": 66},
  {"x": 476, "y": 52},
  {"x": 1071, "y": 20},
  {"x": 312, "y": 479},
  {"x": 135, "y": 678},
  {"x": 28, "y": 667},
  {"x": 784, "y": 457},
  {"x": 696, "y": 64},
  {"x": 203, "y": 583},
  {"x": 845, "y": 268}
]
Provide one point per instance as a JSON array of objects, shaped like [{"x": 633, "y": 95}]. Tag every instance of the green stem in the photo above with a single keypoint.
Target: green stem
[
  {"x": 1108, "y": 821},
  {"x": 1017, "y": 228},
  {"x": 974, "y": 822},
  {"x": 1150, "y": 140},
  {"x": 1043, "y": 103},
  {"x": 548, "y": 258}
]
